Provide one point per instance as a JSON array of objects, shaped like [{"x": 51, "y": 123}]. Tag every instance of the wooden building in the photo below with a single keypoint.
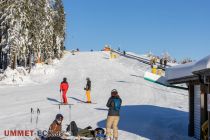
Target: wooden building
[{"x": 197, "y": 77}]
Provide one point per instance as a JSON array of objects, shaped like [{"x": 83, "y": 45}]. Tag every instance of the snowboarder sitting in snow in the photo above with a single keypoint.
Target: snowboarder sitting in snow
[
  {"x": 88, "y": 89},
  {"x": 79, "y": 132},
  {"x": 64, "y": 86},
  {"x": 98, "y": 133},
  {"x": 114, "y": 104},
  {"x": 55, "y": 130}
]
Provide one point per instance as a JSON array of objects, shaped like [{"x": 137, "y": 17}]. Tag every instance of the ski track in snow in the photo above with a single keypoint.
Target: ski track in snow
[{"x": 149, "y": 111}]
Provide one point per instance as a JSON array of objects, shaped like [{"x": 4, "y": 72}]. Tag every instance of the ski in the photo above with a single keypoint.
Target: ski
[
  {"x": 63, "y": 104},
  {"x": 86, "y": 102}
]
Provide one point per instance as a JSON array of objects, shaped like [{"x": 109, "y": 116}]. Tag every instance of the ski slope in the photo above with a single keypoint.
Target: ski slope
[{"x": 149, "y": 111}]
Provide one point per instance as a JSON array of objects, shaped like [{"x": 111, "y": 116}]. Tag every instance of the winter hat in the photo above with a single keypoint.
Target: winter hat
[
  {"x": 59, "y": 116},
  {"x": 87, "y": 78},
  {"x": 64, "y": 79},
  {"x": 114, "y": 92}
]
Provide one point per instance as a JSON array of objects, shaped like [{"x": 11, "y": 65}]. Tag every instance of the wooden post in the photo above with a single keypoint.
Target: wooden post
[
  {"x": 191, "y": 110},
  {"x": 208, "y": 91}
]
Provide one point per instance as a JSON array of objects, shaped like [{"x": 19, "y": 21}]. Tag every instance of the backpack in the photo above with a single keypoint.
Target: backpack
[{"x": 117, "y": 104}]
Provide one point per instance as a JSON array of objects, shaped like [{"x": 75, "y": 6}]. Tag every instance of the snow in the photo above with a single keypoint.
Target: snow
[
  {"x": 179, "y": 71},
  {"x": 149, "y": 111},
  {"x": 186, "y": 70},
  {"x": 155, "y": 78},
  {"x": 14, "y": 77},
  {"x": 145, "y": 56},
  {"x": 39, "y": 74},
  {"x": 202, "y": 64}
]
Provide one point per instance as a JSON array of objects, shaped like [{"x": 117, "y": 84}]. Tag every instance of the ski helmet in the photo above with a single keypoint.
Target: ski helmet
[{"x": 59, "y": 117}]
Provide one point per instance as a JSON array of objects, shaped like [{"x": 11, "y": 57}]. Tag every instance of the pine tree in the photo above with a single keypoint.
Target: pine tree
[{"x": 31, "y": 31}]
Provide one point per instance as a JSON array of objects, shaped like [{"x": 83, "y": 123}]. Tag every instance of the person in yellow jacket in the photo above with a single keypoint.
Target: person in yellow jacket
[{"x": 88, "y": 89}]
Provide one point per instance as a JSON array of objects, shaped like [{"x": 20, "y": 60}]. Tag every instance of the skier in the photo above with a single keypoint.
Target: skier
[
  {"x": 165, "y": 62},
  {"x": 55, "y": 129},
  {"x": 152, "y": 62},
  {"x": 124, "y": 53},
  {"x": 114, "y": 104},
  {"x": 73, "y": 52},
  {"x": 88, "y": 89},
  {"x": 161, "y": 62},
  {"x": 64, "y": 88}
]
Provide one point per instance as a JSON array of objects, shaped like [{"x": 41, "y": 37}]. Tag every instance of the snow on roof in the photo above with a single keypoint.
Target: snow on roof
[
  {"x": 179, "y": 71},
  {"x": 186, "y": 70},
  {"x": 202, "y": 64}
]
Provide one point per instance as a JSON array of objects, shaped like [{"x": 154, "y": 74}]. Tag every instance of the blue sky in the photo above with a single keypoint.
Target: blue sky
[{"x": 180, "y": 27}]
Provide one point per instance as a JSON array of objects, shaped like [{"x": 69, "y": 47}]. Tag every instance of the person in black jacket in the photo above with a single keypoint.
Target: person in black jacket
[
  {"x": 88, "y": 89},
  {"x": 165, "y": 62},
  {"x": 161, "y": 62},
  {"x": 114, "y": 104}
]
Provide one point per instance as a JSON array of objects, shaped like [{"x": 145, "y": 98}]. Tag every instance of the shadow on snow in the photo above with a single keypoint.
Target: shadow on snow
[
  {"x": 53, "y": 100},
  {"x": 152, "y": 122},
  {"x": 76, "y": 99}
]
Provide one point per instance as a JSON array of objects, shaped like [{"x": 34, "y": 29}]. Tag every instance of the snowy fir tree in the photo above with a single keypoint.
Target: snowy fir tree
[{"x": 31, "y": 31}]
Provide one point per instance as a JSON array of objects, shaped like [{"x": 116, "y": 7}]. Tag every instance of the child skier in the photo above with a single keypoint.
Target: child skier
[
  {"x": 88, "y": 89},
  {"x": 114, "y": 104},
  {"x": 64, "y": 86}
]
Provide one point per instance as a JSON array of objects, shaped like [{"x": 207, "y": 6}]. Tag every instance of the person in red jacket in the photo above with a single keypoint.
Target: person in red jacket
[{"x": 64, "y": 86}]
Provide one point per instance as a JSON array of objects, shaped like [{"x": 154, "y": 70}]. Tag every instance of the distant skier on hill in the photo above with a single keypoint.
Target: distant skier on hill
[
  {"x": 64, "y": 86},
  {"x": 161, "y": 62},
  {"x": 88, "y": 89},
  {"x": 124, "y": 53},
  {"x": 165, "y": 62},
  {"x": 114, "y": 104}
]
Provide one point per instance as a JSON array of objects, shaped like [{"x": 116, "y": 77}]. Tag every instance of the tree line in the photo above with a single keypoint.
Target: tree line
[{"x": 31, "y": 31}]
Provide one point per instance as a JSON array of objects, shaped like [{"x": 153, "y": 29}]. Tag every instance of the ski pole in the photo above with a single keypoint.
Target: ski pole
[
  {"x": 59, "y": 107},
  {"x": 70, "y": 117},
  {"x": 37, "y": 117},
  {"x": 32, "y": 112},
  {"x": 61, "y": 97}
]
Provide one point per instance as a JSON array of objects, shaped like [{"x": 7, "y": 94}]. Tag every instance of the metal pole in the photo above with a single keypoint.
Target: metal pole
[
  {"x": 59, "y": 107},
  {"x": 70, "y": 117},
  {"x": 61, "y": 97}
]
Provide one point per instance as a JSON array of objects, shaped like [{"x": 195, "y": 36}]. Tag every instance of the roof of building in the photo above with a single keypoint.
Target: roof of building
[{"x": 185, "y": 72}]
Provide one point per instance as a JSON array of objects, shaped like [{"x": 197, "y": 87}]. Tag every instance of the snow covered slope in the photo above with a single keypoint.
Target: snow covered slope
[{"x": 149, "y": 111}]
